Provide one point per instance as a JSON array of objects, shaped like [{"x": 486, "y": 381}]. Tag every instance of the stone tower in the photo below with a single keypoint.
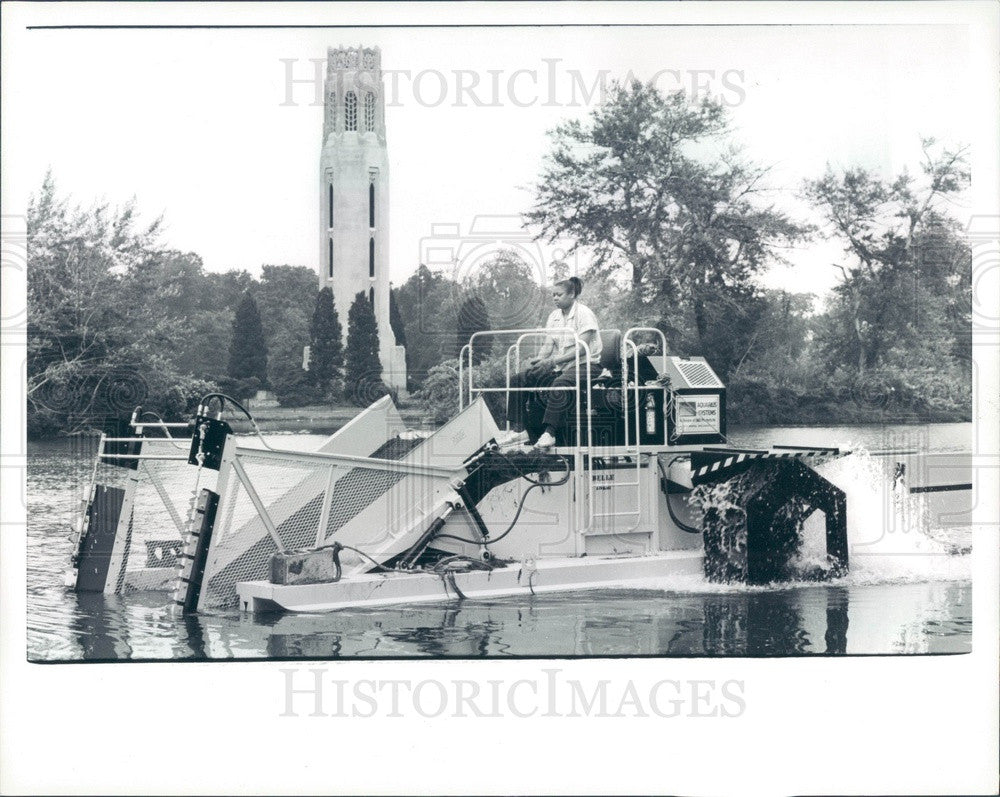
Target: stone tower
[{"x": 354, "y": 195}]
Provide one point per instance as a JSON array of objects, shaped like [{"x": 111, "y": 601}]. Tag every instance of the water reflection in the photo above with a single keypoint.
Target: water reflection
[
  {"x": 885, "y": 618},
  {"x": 791, "y": 622},
  {"x": 101, "y": 627}
]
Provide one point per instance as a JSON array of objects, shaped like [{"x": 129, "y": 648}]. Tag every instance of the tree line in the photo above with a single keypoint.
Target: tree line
[
  {"x": 116, "y": 320},
  {"x": 651, "y": 189},
  {"x": 681, "y": 224}
]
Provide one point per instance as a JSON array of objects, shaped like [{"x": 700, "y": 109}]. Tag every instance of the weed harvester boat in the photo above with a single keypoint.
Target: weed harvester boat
[{"x": 641, "y": 485}]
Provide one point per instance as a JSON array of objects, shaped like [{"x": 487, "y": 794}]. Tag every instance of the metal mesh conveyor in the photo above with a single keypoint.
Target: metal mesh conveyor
[
  {"x": 292, "y": 492},
  {"x": 368, "y": 487}
]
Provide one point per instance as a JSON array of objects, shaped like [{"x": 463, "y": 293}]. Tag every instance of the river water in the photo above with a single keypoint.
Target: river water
[{"x": 908, "y": 592}]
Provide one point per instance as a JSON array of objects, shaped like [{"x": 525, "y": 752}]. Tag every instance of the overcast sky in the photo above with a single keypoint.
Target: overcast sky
[{"x": 196, "y": 123}]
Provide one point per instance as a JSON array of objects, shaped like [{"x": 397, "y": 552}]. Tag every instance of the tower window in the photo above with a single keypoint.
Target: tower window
[
  {"x": 371, "y": 296},
  {"x": 350, "y": 111},
  {"x": 329, "y": 262},
  {"x": 371, "y": 205},
  {"x": 330, "y": 205},
  {"x": 331, "y": 111},
  {"x": 369, "y": 112},
  {"x": 371, "y": 258}
]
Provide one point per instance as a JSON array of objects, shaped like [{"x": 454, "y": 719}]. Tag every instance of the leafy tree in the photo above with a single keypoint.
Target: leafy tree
[
  {"x": 175, "y": 286},
  {"x": 326, "y": 356},
  {"x": 778, "y": 348},
  {"x": 248, "y": 347},
  {"x": 905, "y": 285},
  {"x": 292, "y": 385},
  {"x": 227, "y": 288},
  {"x": 94, "y": 350},
  {"x": 438, "y": 395},
  {"x": 649, "y": 185},
  {"x": 509, "y": 286},
  {"x": 427, "y": 307},
  {"x": 609, "y": 183},
  {"x": 472, "y": 317},
  {"x": 363, "y": 368},
  {"x": 285, "y": 295}
]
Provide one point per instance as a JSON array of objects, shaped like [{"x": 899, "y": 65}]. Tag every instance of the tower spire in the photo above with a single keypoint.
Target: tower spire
[{"x": 354, "y": 193}]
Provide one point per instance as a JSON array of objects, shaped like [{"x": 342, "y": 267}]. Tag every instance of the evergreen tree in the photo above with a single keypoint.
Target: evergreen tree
[
  {"x": 473, "y": 317},
  {"x": 248, "y": 347},
  {"x": 363, "y": 371},
  {"x": 326, "y": 351},
  {"x": 396, "y": 320}
]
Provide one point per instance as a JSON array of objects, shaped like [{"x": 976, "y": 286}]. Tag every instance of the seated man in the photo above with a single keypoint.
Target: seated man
[{"x": 556, "y": 365}]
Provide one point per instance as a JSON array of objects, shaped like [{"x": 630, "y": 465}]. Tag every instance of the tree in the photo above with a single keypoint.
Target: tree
[
  {"x": 427, "y": 306},
  {"x": 175, "y": 286},
  {"x": 97, "y": 343},
  {"x": 473, "y": 317},
  {"x": 509, "y": 286},
  {"x": 396, "y": 322},
  {"x": 363, "y": 368},
  {"x": 904, "y": 285},
  {"x": 291, "y": 384},
  {"x": 227, "y": 289},
  {"x": 285, "y": 296},
  {"x": 248, "y": 347},
  {"x": 326, "y": 356},
  {"x": 610, "y": 183},
  {"x": 651, "y": 187}
]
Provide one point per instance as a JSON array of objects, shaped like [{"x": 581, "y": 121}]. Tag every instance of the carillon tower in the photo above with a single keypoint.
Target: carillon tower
[{"x": 354, "y": 195}]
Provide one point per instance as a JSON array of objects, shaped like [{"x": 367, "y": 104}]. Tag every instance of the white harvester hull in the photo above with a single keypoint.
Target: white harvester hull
[{"x": 557, "y": 574}]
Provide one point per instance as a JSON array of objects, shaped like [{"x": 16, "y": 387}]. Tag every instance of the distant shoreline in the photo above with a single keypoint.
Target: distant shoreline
[{"x": 320, "y": 419}]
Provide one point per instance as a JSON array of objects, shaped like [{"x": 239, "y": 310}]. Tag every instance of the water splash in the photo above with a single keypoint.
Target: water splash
[
  {"x": 890, "y": 532},
  {"x": 891, "y": 535}
]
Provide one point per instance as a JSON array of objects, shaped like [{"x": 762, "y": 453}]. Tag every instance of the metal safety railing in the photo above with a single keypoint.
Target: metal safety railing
[
  {"x": 471, "y": 390},
  {"x": 582, "y": 454},
  {"x": 332, "y": 466},
  {"x": 634, "y": 452},
  {"x": 583, "y": 451},
  {"x": 629, "y": 354},
  {"x": 128, "y": 464},
  {"x": 628, "y": 344}
]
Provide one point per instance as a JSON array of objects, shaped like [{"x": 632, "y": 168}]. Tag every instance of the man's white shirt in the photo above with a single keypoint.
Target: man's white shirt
[{"x": 579, "y": 320}]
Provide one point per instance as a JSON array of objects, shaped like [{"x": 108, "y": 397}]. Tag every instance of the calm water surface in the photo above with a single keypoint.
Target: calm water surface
[{"x": 908, "y": 591}]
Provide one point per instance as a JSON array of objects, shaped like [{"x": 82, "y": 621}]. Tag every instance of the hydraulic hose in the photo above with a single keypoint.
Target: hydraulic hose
[
  {"x": 680, "y": 523},
  {"x": 222, "y": 397},
  {"x": 533, "y": 482}
]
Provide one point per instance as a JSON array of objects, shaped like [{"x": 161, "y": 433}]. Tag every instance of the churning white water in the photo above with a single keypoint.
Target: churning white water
[{"x": 893, "y": 535}]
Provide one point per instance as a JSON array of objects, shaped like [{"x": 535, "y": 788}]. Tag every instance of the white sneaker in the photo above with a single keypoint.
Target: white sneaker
[
  {"x": 545, "y": 441},
  {"x": 511, "y": 438}
]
